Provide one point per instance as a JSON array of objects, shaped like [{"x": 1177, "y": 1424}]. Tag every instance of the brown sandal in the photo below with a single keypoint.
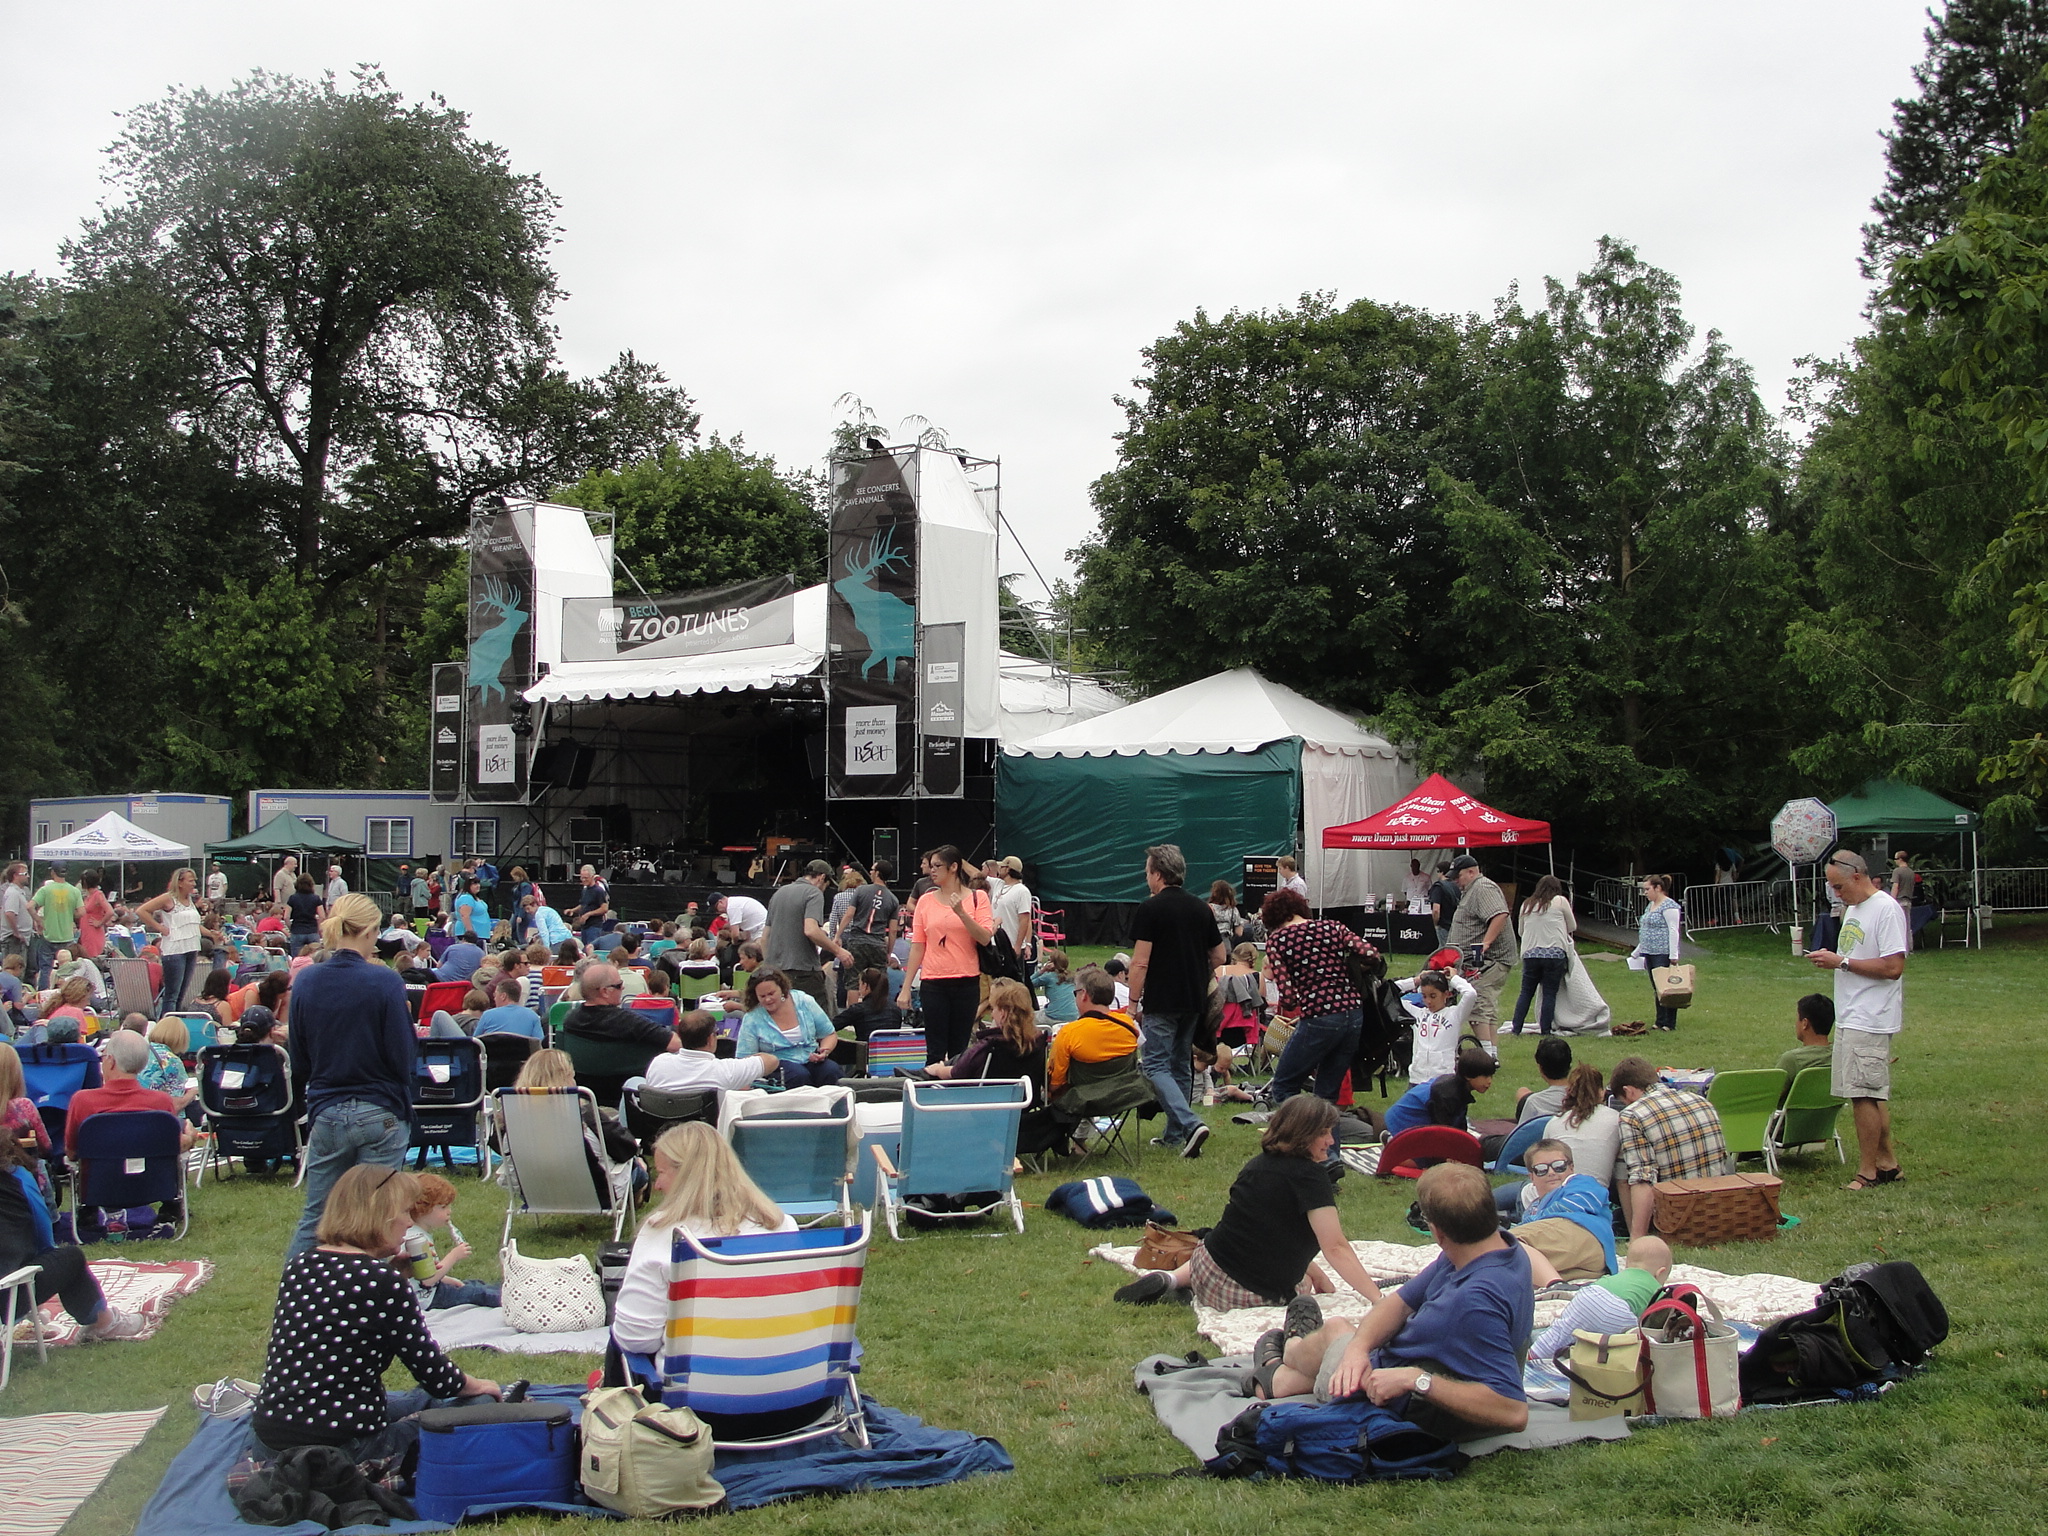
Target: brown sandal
[{"x": 1861, "y": 1183}]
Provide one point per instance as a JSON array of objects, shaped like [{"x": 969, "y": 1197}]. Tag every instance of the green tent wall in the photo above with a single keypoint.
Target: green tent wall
[{"x": 1085, "y": 822}]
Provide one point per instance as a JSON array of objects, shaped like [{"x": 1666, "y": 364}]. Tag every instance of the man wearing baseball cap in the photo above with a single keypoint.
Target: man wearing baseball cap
[
  {"x": 796, "y": 940},
  {"x": 1482, "y": 919},
  {"x": 1869, "y": 962},
  {"x": 1012, "y": 903}
]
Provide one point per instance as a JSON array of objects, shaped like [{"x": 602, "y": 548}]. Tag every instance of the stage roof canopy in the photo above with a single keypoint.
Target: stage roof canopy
[{"x": 1437, "y": 814}]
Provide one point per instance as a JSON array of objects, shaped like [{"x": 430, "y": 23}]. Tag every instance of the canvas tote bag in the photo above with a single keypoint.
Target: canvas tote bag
[{"x": 1695, "y": 1362}]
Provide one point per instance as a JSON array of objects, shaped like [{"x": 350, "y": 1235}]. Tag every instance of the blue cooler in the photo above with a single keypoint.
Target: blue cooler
[{"x": 495, "y": 1453}]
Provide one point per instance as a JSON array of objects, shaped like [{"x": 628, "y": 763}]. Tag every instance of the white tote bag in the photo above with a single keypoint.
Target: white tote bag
[
  {"x": 1695, "y": 1362},
  {"x": 549, "y": 1295}
]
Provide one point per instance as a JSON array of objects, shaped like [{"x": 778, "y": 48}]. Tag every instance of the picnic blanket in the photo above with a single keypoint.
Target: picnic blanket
[
  {"x": 130, "y": 1287},
  {"x": 50, "y": 1463},
  {"x": 1757, "y": 1300},
  {"x": 486, "y": 1328},
  {"x": 905, "y": 1452},
  {"x": 1195, "y": 1402}
]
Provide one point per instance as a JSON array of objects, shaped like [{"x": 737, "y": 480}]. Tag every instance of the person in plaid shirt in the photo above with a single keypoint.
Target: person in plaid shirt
[
  {"x": 1305, "y": 958},
  {"x": 1666, "y": 1133}
]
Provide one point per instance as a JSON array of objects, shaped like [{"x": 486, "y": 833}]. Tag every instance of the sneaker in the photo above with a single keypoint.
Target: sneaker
[
  {"x": 1146, "y": 1289},
  {"x": 1192, "y": 1147},
  {"x": 119, "y": 1325},
  {"x": 229, "y": 1398},
  {"x": 1304, "y": 1317}
]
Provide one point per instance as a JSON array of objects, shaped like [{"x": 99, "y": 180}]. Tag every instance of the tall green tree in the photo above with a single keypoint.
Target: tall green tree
[
  {"x": 1270, "y": 506},
  {"x": 1620, "y": 579},
  {"x": 1980, "y": 84},
  {"x": 356, "y": 292}
]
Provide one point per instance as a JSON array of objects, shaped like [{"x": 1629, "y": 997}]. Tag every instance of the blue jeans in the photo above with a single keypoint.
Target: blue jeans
[
  {"x": 177, "y": 977},
  {"x": 353, "y": 1131},
  {"x": 1167, "y": 1059},
  {"x": 463, "y": 1293},
  {"x": 42, "y": 959},
  {"x": 1547, "y": 972},
  {"x": 811, "y": 1074},
  {"x": 1322, "y": 1048},
  {"x": 1667, "y": 1018}
]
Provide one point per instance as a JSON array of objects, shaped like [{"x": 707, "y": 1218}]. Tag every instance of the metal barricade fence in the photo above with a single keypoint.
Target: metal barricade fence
[
  {"x": 1604, "y": 899},
  {"x": 2021, "y": 889},
  {"x": 1742, "y": 904}
]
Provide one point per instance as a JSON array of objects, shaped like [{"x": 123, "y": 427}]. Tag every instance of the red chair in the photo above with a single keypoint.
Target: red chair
[
  {"x": 1399, "y": 1158},
  {"x": 556, "y": 975},
  {"x": 439, "y": 995},
  {"x": 663, "y": 1008}
]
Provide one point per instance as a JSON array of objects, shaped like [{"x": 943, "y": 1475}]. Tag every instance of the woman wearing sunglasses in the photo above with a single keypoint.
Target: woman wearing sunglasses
[{"x": 1567, "y": 1221}]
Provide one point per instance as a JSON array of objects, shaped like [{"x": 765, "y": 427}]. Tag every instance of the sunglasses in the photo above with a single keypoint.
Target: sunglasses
[{"x": 1562, "y": 1165}]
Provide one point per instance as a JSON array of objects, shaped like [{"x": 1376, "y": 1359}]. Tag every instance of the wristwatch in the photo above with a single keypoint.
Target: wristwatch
[{"x": 1423, "y": 1382}]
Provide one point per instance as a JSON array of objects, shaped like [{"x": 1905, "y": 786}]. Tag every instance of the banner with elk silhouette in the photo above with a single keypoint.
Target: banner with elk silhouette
[
  {"x": 871, "y": 632},
  {"x": 500, "y": 665}
]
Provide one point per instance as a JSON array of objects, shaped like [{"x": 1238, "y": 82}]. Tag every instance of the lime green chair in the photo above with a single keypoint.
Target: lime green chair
[
  {"x": 691, "y": 988},
  {"x": 1746, "y": 1103},
  {"x": 556, "y": 1014},
  {"x": 1807, "y": 1117}
]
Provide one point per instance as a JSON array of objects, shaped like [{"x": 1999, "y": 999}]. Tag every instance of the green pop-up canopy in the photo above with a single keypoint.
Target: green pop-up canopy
[
  {"x": 1900, "y": 810},
  {"x": 284, "y": 833}
]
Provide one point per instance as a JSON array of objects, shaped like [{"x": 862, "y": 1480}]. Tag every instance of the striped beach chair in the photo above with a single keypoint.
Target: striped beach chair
[
  {"x": 761, "y": 1333},
  {"x": 893, "y": 1050}
]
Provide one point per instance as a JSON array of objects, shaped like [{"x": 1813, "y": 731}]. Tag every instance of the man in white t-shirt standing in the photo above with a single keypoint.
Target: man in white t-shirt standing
[
  {"x": 1869, "y": 962},
  {"x": 1012, "y": 906}
]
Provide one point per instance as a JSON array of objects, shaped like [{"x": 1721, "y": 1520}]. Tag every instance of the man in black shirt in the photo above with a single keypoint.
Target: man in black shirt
[
  {"x": 1443, "y": 903},
  {"x": 1174, "y": 953},
  {"x": 870, "y": 926}
]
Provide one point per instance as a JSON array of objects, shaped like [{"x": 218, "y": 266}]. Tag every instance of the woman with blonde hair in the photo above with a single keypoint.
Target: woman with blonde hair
[
  {"x": 344, "y": 1314},
  {"x": 179, "y": 924},
  {"x": 607, "y": 1144},
  {"x": 352, "y": 1046},
  {"x": 702, "y": 1189}
]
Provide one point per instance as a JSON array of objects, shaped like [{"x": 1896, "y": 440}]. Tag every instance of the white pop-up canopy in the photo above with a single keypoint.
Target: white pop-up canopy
[{"x": 113, "y": 839}]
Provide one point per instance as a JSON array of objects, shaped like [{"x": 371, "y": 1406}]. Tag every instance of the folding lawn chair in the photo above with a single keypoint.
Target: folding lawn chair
[
  {"x": 1807, "y": 1117},
  {"x": 663, "y": 1008},
  {"x": 1524, "y": 1136},
  {"x": 441, "y": 996},
  {"x": 761, "y": 1336},
  {"x": 603, "y": 1066},
  {"x": 247, "y": 1106},
  {"x": 650, "y": 1111},
  {"x": 959, "y": 1139},
  {"x": 1102, "y": 1099},
  {"x": 800, "y": 1148},
  {"x": 894, "y": 1050},
  {"x": 1403, "y": 1156},
  {"x": 558, "y": 1011},
  {"x": 1746, "y": 1103},
  {"x": 1049, "y": 924},
  {"x": 504, "y": 1055},
  {"x": 541, "y": 1137},
  {"x": 130, "y": 1157},
  {"x": 132, "y": 990},
  {"x": 20, "y": 1288},
  {"x": 447, "y": 1101},
  {"x": 202, "y": 1031},
  {"x": 51, "y": 1075},
  {"x": 698, "y": 978}
]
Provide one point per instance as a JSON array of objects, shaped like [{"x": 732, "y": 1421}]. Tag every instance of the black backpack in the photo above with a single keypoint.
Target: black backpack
[{"x": 1872, "y": 1322}]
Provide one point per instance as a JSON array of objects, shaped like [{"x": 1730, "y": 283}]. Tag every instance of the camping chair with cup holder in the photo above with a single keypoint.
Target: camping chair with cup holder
[
  {"x": 958, "y": 1152},
  {"x": 129, "y": 1158},
  {"x": 648, "y": 1112},
  {"x": 1103, "y": 1101},
  {"x": 447, "y": 1101},
  {"x": 248, "y": 1109}
]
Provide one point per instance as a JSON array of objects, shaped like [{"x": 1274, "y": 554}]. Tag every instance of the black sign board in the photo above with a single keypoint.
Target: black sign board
[
  {"x": 1261, "y": 879},
  {"x": 871, "y": 629},
  {"x": 444, "y": 711},
  {"x": 501, "y": 594},
  {"x": 941, "y": 702}
]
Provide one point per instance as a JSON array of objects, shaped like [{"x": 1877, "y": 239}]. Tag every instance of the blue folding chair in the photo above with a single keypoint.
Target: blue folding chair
[
  {"x": 247, "y": 1106},
  {"x": 760, "y": 1337},
  {"x": 663, "y": 1008},
  {"x": 800, "y": 1148},
  {"x": 959, "y": 1139},
  {"x": 447, "y": 1101},
  {"x": 52, "y": 1074},
  {"x": 1525, "y": 1136},
  {"x": 131, "y": 1157}
]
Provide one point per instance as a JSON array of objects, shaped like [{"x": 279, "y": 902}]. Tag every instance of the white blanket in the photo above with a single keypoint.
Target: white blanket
[
  {"x": 1760, "y": 1299},
  {"x": 486, "y": 1328}
]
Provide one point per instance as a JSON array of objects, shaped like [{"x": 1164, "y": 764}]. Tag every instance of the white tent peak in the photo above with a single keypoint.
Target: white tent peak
[
  {"x": 113, "y": 837},
  {"x": 1234, "y": 711}
]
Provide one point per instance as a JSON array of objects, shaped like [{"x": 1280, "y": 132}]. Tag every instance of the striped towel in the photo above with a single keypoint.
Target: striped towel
[{"x": 50, "y": 1463}]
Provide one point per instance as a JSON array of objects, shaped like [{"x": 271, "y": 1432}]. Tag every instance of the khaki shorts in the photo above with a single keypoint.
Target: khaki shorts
[
  {"x": 1862, "y": 1065},
  {"x": 1575, "y": 1251}
]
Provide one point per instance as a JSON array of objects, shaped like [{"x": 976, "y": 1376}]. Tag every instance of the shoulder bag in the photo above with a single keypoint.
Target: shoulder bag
[
  {"x": 646, "y": 1460},
  {"x": 549, "y": 1295},
  {"x": 1606, "y": 1371},
  {"x": 1695, "y": 1362},
  {"x": 1165, "y": 1247}
]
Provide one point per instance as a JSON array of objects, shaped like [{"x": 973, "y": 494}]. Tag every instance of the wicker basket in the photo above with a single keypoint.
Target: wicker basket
[{"x": 1732, "y": 1208}]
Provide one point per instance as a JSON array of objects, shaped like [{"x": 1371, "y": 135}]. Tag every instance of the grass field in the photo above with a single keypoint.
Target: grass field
[{"x": 1016, "y": 1337}]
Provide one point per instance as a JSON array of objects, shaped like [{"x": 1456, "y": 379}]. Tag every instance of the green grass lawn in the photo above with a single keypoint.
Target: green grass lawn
[{"x": 1016, "y": 1337}]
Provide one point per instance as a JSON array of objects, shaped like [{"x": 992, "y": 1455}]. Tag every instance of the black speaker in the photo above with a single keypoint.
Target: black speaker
[
  {"x": 888, "y": 844},
  {"x": 564, "y": 764},
  {"x": 586, "y": 829}
]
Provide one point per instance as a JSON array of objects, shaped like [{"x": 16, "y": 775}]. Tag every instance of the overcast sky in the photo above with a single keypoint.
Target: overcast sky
[{"x": 982, "y": 214}]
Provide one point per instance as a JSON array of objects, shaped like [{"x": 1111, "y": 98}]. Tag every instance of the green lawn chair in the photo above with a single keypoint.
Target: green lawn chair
[
  {"x": 556, "y": 1013},
  {"x": 1807, "y": 1117},
  {"x": 1746, "y": 1102}
]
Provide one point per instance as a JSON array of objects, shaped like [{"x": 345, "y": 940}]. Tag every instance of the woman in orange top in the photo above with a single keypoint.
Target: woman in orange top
[{"x": 950, "y": 922}]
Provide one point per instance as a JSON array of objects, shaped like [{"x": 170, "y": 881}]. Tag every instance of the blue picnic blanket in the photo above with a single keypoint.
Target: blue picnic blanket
[{"x": 905, "y": 1452}]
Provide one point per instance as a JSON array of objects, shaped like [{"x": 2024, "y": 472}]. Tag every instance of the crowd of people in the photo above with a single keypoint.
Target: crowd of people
[{"x": 785, "y": 992}]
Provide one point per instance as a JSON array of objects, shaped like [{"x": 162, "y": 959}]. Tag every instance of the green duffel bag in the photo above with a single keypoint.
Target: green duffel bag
[{"x": 646, "y": 1460}]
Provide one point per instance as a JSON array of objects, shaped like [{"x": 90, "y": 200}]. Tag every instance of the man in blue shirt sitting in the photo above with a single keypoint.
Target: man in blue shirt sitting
[
  {"x": 459, "y": 961},
  {"x": 1444, "y": 1351},
  {"x": 511, "y": 1016}
]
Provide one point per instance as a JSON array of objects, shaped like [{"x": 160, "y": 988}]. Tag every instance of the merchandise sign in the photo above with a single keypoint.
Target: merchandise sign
[
  {"x": 444, "y": 755},
  {"x": 871, "y": 684}
]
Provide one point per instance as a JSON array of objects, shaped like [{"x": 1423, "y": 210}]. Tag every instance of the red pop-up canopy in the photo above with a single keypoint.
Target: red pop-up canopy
[{"x": 1436, "y": 814}]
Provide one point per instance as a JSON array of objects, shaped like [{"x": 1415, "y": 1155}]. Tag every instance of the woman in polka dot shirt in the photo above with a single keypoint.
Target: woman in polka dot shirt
[{"x": 344, "y": 1313}]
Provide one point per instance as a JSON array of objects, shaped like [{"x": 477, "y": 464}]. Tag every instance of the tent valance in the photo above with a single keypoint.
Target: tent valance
[
  {"x": 112, "y": 837},
  {"x": 1437, "y": 814},
  {"x": 285, "y": 833},
  {"x": 1235, "y": 711}
]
